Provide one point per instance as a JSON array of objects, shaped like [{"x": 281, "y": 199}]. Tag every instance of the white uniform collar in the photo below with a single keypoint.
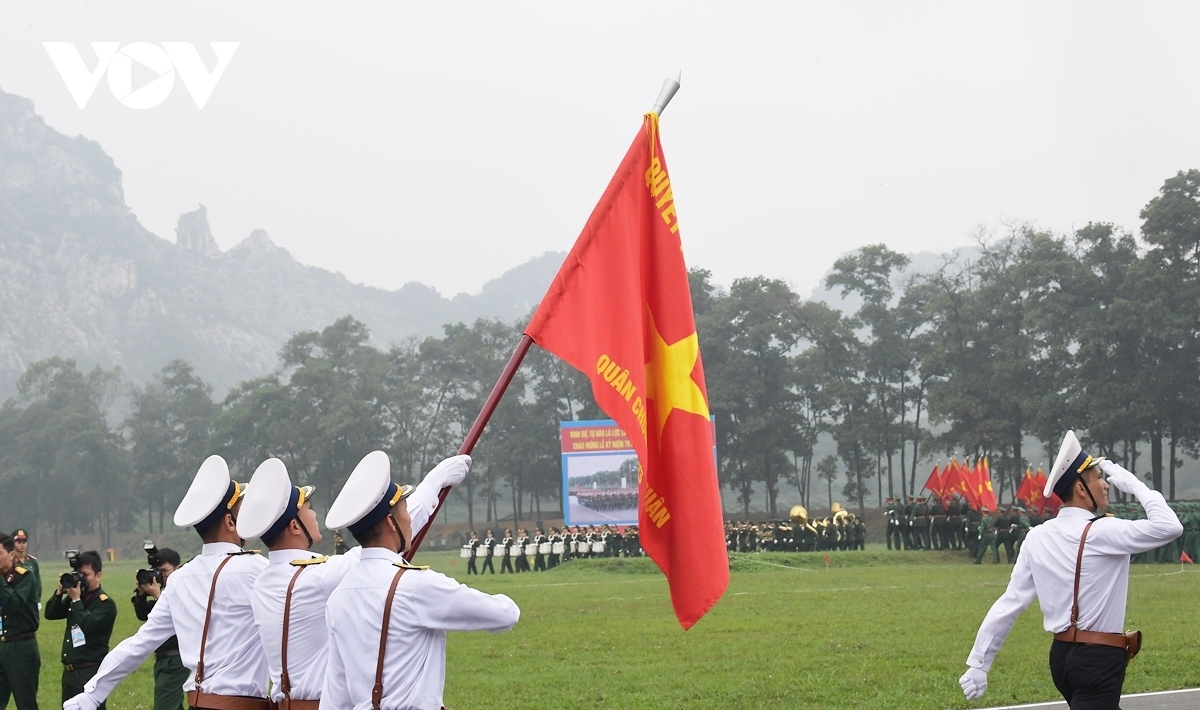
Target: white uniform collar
[
  {"x": 219, "y": 548},
  {"x": 380, "y": 553},
  {"x": 283, "y": 557},
  {"x": 1073, "y": 512}
]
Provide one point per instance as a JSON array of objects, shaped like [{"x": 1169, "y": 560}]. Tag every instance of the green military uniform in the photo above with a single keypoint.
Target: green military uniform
[
  {"x": 971, "y": 527},
  {"x": 987, "y": 538},
  {"x": 20, "y": 662},
  {"x": 1023, "y": 525},
  {"x": 85, "y": 637},
  {"x": 29, "y": 562},
  {"x": 921, "y": 525},
  {"x": 169, "y": 671},
  {"x": 1006, "y": 535}
]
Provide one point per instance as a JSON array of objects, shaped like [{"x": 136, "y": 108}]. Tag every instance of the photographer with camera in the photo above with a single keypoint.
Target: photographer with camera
[
  {"x": 169, "y": 671},
  {"x": 90, "y": 614}
]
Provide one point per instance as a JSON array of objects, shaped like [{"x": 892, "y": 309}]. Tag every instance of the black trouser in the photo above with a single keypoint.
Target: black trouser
[
  {"x": 20, "y": 666},
  {"x": 74, "y": 680},
  {"x": 471, "y": 569},
  {"x": 539, "y": 562},
  {"x": 488, "y": 565},
  {"x": 506, "y": 564},
  {"x": 1089, "y": 676}
]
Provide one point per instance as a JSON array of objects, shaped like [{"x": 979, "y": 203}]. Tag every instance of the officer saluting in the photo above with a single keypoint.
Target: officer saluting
[
  {"x": 207, "y": 605},
  {"x": 1077, "y": 565},
  {"x": 293, "y": 590},
  {"x": 388, "y": 619}
]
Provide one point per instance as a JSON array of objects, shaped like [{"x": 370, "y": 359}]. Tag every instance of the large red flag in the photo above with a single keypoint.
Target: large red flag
[
  {"x": 934, "y": 483},
  {"x": 1025, "y": 490},
  {"x": 620, "y": 311},
  {"x": 955, "y": 480},
  {"x": 987, "y": 493}
]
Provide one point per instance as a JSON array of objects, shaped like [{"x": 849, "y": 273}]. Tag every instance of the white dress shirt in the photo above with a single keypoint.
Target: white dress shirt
[
  {"x": 308, "y": 633},
  {"x": 234, "y": 663},
  {"x": 426, "y": 606},
  {"x": 1046, "y": 569}
]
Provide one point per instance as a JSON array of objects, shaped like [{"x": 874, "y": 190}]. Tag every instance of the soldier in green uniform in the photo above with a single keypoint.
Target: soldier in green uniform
[
  {"x": 954, "y": 523},
  {"x": 972, "y": 520},
  {"x": 169, "y": 672},
  {"x": 20, "y": 662},
  {"x": 26, "y": 560},
  {"x": 921, "y": 524},
  {"x": 906, "y": 524},
  {"x": 1023, "y": 526},
  {"x": 891, "y": 518},
  {"x": 937, "y": 524},
  {"x": 90, "y": 614},
  {"x": 1191, "y": 531},
  {"x": 1006, "y": 534},
  {"x": 987, "y": 536}
]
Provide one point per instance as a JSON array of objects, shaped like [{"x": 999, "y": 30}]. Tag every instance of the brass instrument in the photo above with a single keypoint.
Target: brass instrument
[
  {"x": 799, "y": 515},
  {"x": 838, "y": 511}
]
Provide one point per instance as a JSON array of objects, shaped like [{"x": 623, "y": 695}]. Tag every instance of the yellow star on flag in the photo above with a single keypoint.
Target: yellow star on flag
[{"x": 669, "y": 376}]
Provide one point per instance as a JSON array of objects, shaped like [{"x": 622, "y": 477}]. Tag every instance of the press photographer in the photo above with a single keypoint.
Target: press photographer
[
  {"x": 169, "y": 671},
  {"x": 90, "y": 614}
]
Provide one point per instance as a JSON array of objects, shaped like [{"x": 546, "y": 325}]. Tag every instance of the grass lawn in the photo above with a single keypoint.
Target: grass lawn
[{"x": 875, "y": 630}]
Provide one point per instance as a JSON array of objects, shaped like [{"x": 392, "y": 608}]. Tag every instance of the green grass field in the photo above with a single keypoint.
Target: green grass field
[{"x": 875, "y": 630}]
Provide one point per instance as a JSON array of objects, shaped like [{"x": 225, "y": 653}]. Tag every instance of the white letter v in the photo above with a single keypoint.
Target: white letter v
[{"x": 80, "y": 82}]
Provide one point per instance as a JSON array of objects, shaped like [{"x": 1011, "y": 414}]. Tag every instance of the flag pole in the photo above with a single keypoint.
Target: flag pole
[{"x": 665, "y": 94}]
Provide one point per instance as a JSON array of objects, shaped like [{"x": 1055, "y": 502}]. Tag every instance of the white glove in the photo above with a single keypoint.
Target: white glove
[
  {"x": 974, "y": 683},
  {"x": 83, "y": 701},
  {"x": 1122, "y": 479},
  {"x": 450, "y": 472}
]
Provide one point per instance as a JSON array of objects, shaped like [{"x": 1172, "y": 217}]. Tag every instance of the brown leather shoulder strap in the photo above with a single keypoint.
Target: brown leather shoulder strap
[
  {"x": 377, "y": 691},
  {"x": 1078, "y": 569},
  {"x": 212, "y": 592},
  {"x": 285, "y": 681}
]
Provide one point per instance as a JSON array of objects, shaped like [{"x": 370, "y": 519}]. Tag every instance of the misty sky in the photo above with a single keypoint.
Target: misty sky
[{"x": 445, "y": 143}]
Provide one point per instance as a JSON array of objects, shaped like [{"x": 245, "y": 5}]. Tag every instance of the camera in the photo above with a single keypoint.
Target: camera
[
  {"x": 74, "y": 578},
  {"x": 152, "y": 574}
]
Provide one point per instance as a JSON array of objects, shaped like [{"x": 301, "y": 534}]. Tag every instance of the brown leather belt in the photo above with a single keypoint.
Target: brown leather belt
[
  {"x": 294, "y": 704},
  {"x": 79, "y": 666},
  {"x": 208, "y": 701},
  {"x": 1125, "y": 641}
]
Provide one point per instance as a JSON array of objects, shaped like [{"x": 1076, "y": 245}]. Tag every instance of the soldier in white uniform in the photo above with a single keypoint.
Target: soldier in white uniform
[
  {"x": 297, "y": 583},
  {"x": 388, "y": 619},
  {"x": 1077, "y": 566},
  {"x": 207, "y": 605}
]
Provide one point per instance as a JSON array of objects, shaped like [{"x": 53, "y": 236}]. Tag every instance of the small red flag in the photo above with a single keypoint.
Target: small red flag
[
  {"x": 934, "y": 483},
  {"x": 1185, "y": 558},
  {"x": 620, "y": 310}
]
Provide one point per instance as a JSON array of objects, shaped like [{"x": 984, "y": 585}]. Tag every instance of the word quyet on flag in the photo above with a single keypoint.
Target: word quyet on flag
[{"x": 620, "y": 311}]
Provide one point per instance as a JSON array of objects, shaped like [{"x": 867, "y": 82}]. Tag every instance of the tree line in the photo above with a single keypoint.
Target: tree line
[{"x": 1030, "y": 334}]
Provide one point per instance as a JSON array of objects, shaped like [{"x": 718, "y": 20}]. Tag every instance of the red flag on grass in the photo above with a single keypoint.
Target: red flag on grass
[{"x": 620, "y": 311}]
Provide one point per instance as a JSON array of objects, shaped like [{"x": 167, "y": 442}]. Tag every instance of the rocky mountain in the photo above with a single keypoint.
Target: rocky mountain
[{"x": 81, "y": 278}]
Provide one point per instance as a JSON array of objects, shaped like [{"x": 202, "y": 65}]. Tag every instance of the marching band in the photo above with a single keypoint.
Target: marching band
[{"x": 543, "y": 552}]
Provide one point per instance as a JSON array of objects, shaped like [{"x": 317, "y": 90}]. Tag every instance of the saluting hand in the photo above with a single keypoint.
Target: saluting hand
[{"x": 1119, "y": 477}]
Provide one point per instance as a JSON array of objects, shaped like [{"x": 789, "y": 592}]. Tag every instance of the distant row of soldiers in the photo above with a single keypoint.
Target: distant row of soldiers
[
  {"x": 954, "y": 525},
  {"x": 539, "y": 552},
  {"x": 608, "y": 499},
  {"x": 842, "y": 531}
]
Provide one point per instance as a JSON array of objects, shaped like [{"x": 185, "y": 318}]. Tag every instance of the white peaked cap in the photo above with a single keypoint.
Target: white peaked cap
[
  {"x": 1070, "y": 462},
  {"x": 209, "y": 489},
  {"x": 361, "y": 502},
  {"x": 268, "y": 497}
]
